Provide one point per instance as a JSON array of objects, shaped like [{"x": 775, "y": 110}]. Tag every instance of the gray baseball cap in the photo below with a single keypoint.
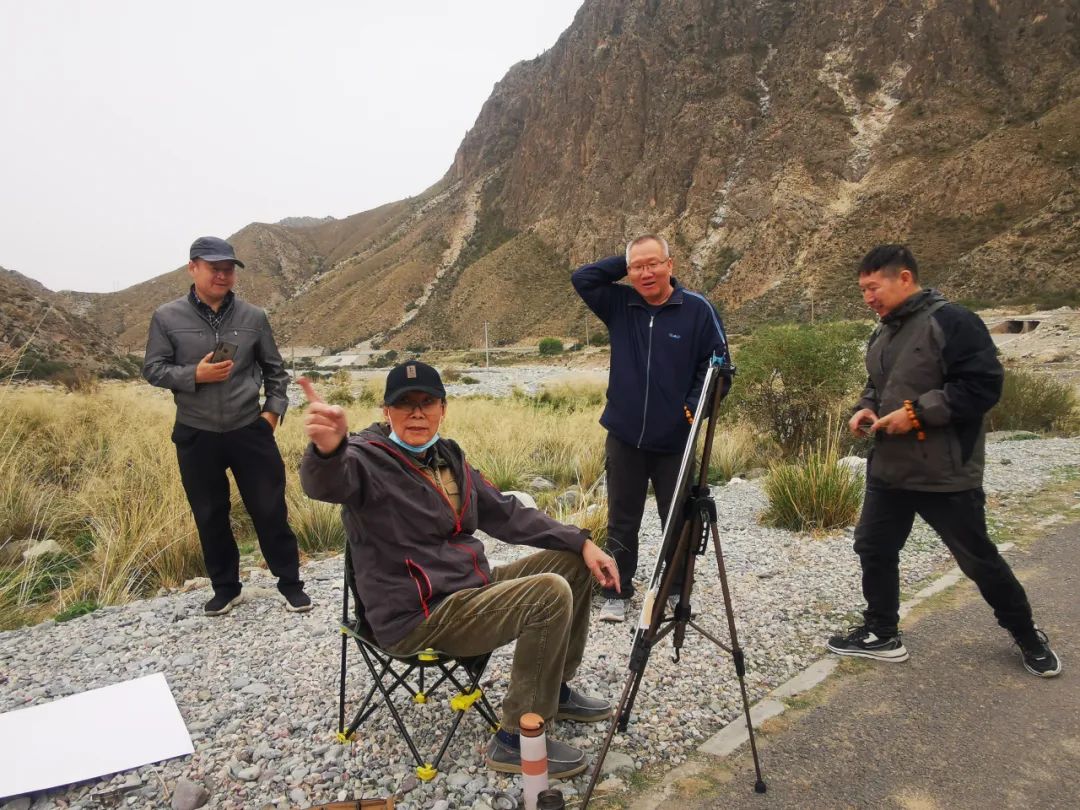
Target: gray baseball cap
[{"x": 212, "y": 249}]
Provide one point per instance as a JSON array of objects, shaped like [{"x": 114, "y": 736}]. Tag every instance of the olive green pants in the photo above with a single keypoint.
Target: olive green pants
[{"x": 543, "y": 601}]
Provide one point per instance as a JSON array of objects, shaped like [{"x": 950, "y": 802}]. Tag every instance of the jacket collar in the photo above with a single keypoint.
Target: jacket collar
[
  {"x": 918, "y": 301},
  {"x": 206, "y": 309}
]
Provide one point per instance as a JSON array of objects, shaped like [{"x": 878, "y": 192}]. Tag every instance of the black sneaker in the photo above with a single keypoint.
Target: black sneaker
[
  {"x": 1035, "y": 651},
  {"x": 296, "y": 600},
  {"x": 583, "y": 708},
  {"x": 221, "y": 604},
  {"x": 563, "y": 760},
  {"x": 865, "y": 643}
]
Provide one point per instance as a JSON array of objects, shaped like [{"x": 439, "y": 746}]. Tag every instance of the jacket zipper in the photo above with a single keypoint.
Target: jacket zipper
[
  {"x": 445, "y": 497},
  {"x": 217, "y": 339},
  {"x": 648, "y": 368},
  {"x": 426, "y": 480}
]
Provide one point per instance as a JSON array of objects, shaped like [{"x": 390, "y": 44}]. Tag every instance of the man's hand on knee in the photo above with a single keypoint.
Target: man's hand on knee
[{"x": 601, "y": 566}]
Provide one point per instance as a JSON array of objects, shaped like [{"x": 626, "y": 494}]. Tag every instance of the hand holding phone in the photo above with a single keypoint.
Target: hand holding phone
[
  {"x": 223, "y": 351},
  {"x": 861, "y": 422},
  {"x": 211, "y": 370}
]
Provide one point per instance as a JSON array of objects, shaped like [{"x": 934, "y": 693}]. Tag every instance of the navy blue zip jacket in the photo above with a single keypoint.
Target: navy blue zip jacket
[{"x": 659, "y": 355}]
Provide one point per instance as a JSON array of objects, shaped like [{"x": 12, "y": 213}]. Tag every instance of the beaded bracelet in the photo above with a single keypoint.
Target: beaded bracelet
[{"x": 909, "y": 407}]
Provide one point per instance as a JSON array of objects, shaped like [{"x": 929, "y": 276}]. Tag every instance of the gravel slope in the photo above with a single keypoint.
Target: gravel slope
[{"x": 258, "y": 687}]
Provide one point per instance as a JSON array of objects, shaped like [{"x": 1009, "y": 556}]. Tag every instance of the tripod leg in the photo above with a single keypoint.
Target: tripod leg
[
  {"x": 625, "y": 703},
  {"x": 737, "y": 656}
]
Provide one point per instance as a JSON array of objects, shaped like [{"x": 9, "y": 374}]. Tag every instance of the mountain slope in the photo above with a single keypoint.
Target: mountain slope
[
  {"x": 40, "y": 337},
  {"x": 771, "y": 141}
]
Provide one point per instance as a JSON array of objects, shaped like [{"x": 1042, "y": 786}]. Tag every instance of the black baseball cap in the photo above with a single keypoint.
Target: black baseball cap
[
  {"x": 212, "y": 249},
  {"x": 412, "y": 376}
]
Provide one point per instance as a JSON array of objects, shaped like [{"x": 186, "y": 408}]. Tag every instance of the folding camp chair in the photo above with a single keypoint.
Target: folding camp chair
[{"x": 420, "y": 675}]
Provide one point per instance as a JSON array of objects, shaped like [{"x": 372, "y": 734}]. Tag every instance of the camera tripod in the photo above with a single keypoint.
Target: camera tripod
[{"x": 690, "y": 524}]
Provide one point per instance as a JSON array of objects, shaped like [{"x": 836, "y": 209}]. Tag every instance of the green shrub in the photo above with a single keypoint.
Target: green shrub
[
  {"x": 550, "y": 346},
  {"x": 80, "y": 608},
  {"x": 340, "y": 395},
  {"x": 792, "y": 378},
  {"x": 1036, "y": 402},
  {"x": 467, "y": 380},
  {"x": 599, "y": 338},
  {"x": 816, "y": 492}
]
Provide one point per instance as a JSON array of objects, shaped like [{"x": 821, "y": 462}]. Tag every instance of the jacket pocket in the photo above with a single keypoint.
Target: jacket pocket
[
  {"x": 191, "y": 344},
  {"x": 423, "y": 584}
]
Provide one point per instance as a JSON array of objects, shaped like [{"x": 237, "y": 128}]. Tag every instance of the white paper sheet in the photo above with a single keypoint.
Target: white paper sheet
[{"x": 91, "y": 734}]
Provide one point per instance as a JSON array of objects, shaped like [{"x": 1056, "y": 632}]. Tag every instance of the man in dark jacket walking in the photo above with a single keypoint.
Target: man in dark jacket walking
[
  {"x": 662, "y": 338},
  {"x": 933, "y": 374},
  {"x": 220, "y": 423},
  {"x": 411, "y": 504}
]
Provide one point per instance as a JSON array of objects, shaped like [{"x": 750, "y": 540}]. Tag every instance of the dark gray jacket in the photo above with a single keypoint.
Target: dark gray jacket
[
  {"x": 180, "y": 337},
  {"x": 940, "y": 356},
  {"x": 410, "y": 547}
]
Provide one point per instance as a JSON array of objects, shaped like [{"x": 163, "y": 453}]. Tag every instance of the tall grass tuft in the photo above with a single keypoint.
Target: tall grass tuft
[
  {"x": 1036, "y": 402},
  {"x": 815, "y": 492},
  {"x": 737, "y": 449},
  {"x": 317, "y": 525}
]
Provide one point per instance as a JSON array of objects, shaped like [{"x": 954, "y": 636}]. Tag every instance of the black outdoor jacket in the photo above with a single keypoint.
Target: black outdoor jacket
[
  {"x": 940, "y": 356},
  {"x": 410, "y": 547}
]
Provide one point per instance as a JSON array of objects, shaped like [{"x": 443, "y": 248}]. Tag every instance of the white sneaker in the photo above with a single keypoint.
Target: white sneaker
[{"x": 613, "y": 610}]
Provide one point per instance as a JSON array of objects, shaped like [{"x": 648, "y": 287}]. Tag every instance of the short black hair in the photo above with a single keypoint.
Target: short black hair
[{"x": 889, "y": 259}]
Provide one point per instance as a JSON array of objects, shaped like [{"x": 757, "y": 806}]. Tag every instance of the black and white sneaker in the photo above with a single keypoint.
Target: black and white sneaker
[
  {"x": 296, "y": 601},
  {"x": 1037, "y": 656},
  {"x": 863, "y": 642},
  {"x": 221, "y": 604}
]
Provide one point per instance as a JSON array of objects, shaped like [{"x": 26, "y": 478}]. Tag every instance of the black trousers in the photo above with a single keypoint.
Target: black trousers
[
  {"x": 253, "y": 456},
  {"x": 629, "y": 471},
  {"x": 959, "y": 518}
]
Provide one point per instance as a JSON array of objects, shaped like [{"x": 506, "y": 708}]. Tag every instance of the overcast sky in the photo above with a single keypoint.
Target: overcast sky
[{"x": 131, "y": 127}]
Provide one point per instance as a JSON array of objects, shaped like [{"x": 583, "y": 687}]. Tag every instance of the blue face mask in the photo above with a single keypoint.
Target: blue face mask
[{"x": 413, "y": 448}]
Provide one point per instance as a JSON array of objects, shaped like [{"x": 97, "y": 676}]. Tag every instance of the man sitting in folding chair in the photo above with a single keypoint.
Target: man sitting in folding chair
[{"x": 411, "y": 505}]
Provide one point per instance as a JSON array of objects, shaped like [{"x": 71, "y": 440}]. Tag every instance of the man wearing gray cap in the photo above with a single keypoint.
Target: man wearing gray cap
[{"x": 215, "y": 352}]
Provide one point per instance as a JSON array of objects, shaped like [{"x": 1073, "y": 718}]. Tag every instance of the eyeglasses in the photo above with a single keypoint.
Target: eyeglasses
[
  {"x": 426, "y": 405},
  {"x": 652, "y": 266}
]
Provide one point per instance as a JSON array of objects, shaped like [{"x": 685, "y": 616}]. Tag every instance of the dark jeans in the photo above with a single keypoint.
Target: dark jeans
[
  {"x": 959, "y": 519},
  {"x": 629, "y": 471},
  {"x": 252, "y": 455}
]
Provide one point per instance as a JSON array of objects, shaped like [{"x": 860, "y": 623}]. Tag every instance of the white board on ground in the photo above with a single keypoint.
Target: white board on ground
[{"x": 90, "y": 734}]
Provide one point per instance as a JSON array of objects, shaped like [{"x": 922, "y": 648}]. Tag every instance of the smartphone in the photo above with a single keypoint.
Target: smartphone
[{"x": 223, "y": 351}]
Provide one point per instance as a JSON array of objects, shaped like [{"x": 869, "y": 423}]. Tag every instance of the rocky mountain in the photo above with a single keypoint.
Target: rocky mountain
[
  {"x": 771, "y": 141},
  {"x": 40, "y": 337}
]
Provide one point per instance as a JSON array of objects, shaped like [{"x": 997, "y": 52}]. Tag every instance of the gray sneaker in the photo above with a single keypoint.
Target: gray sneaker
[
  {"x": 583, "y": 708},
  {"x": 613, "y": 610},
  {"x": 564, "y": 760}
]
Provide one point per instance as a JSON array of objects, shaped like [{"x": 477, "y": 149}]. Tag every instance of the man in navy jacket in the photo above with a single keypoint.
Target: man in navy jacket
[{"x": 662, "y": 338}]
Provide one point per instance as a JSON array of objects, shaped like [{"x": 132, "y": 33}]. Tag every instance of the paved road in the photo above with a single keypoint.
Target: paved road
[{"x": 960, "y": 725}]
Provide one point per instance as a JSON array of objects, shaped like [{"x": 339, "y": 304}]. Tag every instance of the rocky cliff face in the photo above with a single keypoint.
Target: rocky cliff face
[
  {"x": 40, "y": 337},
  {"x": 771, "y": 141}
]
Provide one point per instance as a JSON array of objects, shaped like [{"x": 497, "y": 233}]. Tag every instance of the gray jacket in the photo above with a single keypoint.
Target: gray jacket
[
  {"x": 180, "y": 337},
  {"x": 410, "y": 547},
  {"x": 942, "y": 358}
]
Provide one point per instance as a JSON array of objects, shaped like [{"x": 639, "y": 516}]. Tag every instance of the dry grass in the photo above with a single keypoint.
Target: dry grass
[
  {"x": 96, "y": 473},
  {"x": 739, "y": 448}
]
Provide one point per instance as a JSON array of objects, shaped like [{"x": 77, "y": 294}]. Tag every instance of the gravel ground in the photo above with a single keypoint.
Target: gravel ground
[{"x": 258, "y": 687}]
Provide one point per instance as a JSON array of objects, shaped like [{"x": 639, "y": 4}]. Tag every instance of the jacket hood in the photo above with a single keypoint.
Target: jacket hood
[{"x": 923, "y": 298}]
